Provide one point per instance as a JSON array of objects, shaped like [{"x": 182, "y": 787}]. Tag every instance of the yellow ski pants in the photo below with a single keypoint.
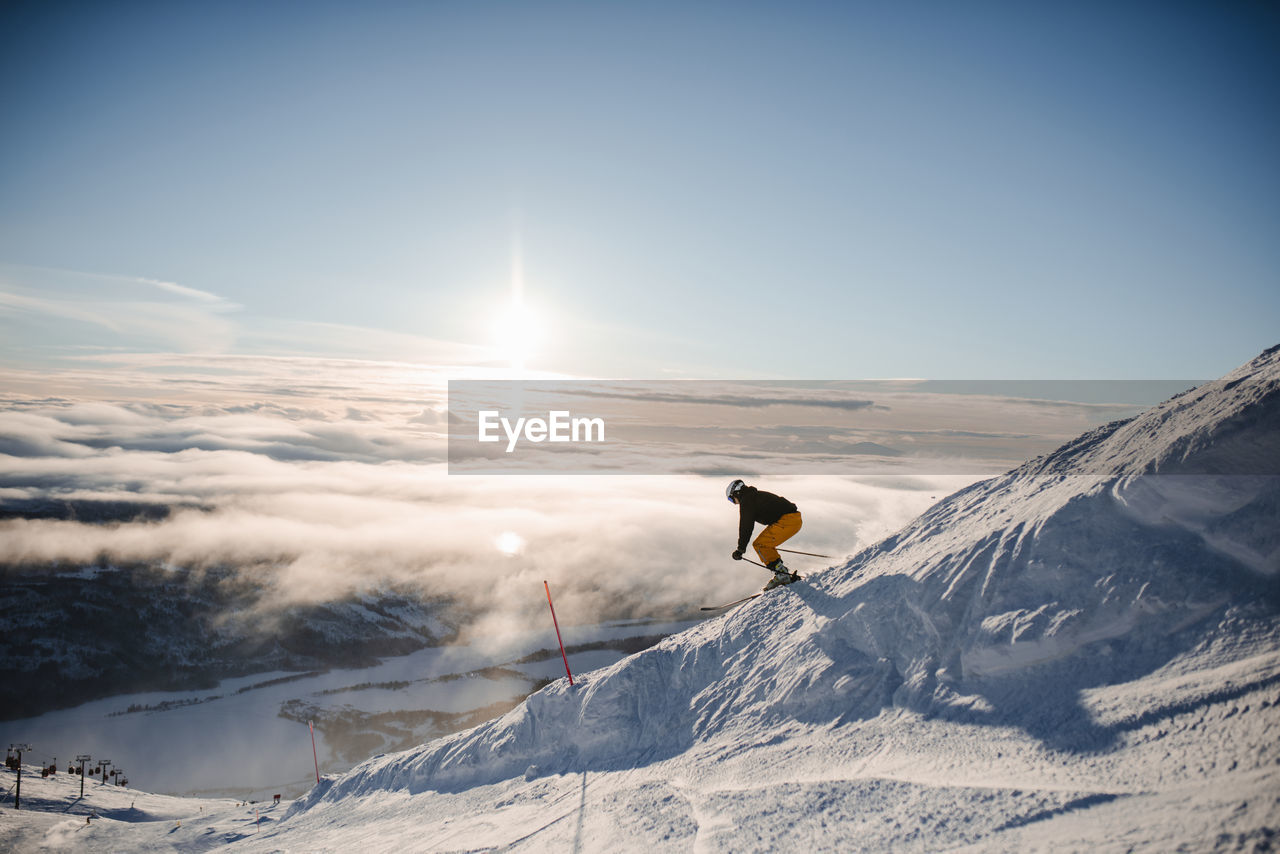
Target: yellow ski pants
[{"x": 766, "y": 545}]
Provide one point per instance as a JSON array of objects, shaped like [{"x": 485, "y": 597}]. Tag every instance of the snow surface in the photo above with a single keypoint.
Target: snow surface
[{"x": 1081, "y": 654}]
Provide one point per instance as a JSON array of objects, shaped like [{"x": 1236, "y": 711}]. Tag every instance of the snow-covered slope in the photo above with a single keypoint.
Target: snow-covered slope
[
  {"x": 1084, "y": 652},
  {"x": 1008, "y": 597},
  {"x": 53, "y": 815}
]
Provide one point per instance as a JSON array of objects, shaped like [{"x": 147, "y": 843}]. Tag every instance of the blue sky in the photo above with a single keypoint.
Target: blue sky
[{"x": 798, "y": 190}]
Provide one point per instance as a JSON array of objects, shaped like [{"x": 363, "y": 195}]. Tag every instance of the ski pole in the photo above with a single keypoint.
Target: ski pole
[{"x": 810, "y": 554}]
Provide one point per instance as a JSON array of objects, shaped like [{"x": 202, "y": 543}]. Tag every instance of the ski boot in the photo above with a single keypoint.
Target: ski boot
[{"x": 781, "y": 575}]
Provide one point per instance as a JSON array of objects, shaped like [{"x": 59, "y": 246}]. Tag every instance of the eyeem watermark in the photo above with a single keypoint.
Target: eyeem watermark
[
  {"x": 721, "y": 427},
  {"x": 558, "y": 426}
]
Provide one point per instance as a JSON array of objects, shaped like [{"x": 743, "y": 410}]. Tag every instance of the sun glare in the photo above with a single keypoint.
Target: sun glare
[
  {"x": 517, "y": 333},
  {"x": 509, "y": 542}
]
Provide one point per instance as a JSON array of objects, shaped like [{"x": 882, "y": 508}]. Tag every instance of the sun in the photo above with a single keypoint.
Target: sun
[
  {"x": 517, "y": 333},
  {"x": 517, "y": 330}
]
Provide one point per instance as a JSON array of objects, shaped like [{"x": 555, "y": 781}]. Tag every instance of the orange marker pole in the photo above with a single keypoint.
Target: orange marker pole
[
  {"x": 311, "y": 726},
  {"x": 558, "y": 640}
]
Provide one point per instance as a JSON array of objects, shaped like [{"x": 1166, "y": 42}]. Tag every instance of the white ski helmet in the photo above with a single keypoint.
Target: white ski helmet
[{"x": 731, "y": 491}]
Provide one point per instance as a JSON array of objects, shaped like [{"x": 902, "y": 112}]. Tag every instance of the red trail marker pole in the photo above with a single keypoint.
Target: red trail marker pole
[
  {"x": 311, "y": 726},
  {"x": 556, "y": 623}
]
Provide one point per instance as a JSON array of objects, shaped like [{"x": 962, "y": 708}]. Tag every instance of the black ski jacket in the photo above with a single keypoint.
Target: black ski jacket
[{"x": 756, "y": 505}]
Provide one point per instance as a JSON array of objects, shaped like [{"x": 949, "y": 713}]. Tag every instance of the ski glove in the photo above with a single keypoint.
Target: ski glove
[{"x": 737, "y": 554}]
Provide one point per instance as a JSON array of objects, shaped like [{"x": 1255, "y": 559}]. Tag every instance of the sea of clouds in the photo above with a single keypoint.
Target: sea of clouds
[{"x": 320, "y": 478}]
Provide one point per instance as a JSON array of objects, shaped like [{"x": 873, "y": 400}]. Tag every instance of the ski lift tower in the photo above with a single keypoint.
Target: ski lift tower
[
  {"x": 82, "y": 758},
  {"x": 17, "y": 789}
]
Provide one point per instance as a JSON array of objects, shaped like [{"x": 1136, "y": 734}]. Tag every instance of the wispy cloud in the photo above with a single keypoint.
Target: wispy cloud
[
  {"x": 132, "y": 311},
  {"x": 184, "y": 291},
  {"x": 68, "y": 313},
  {"x": 757, "y": 397}
]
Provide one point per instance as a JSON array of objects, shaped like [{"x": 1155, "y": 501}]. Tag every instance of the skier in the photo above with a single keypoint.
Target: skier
[{"x": 781, "y": 519}]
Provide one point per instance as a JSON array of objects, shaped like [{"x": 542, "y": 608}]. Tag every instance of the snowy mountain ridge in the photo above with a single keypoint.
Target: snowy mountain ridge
[
  {"x": 1210, "y": 429},
  {"x": 1082, "y": 602}
]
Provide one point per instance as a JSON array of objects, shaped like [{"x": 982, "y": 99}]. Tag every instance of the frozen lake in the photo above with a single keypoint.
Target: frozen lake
[{"x": 233, "y": 740}]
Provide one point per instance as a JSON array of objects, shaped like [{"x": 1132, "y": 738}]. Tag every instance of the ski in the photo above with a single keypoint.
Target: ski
[
  {"x": 794, "y": 578},
  {"x": 731, "y": 604}
]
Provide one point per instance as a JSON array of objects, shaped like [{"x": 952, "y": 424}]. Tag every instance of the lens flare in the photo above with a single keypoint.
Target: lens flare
[{"x": 509, "y": 543}]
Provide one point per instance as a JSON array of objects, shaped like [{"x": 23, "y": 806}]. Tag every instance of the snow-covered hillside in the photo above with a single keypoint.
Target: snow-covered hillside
[
  {"x": 54, "y": 815},
  {"x": 1083, "y": 653}
]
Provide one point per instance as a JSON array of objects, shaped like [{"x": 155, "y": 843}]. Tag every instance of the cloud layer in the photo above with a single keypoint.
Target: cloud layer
[{"x": 341, "y": 487}]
